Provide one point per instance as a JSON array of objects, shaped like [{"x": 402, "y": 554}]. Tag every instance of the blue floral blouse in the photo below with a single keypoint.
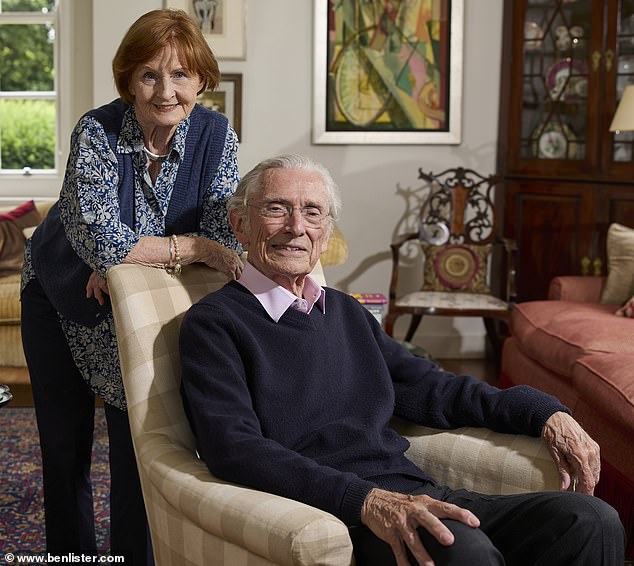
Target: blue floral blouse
[{"x": 89, "y": 209}]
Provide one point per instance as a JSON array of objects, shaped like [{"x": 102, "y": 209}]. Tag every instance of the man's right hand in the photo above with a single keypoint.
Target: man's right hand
[{"x": 394, "y": 518}]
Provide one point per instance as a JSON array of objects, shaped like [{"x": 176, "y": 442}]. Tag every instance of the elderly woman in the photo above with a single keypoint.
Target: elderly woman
[{"x": 146, "y": 182}]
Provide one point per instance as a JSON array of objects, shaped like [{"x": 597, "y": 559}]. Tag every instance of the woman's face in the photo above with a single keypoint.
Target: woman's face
[{"x": 164, "y": 90}]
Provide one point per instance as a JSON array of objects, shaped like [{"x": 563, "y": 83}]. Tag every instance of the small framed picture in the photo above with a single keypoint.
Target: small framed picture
[
  {"x": 223, "y": 23},
  {"x": 226, "y": 99}
]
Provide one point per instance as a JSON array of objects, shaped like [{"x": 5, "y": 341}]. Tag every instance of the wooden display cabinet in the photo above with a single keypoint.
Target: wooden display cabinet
[{"x": 565, "y": 66}]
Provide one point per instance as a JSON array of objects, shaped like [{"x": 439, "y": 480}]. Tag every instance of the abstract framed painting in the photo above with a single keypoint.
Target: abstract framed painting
[
  {"x": 226, "y": 99},
  {"x": 387, "y": 71},
  {"x": 223, "y": 23}
]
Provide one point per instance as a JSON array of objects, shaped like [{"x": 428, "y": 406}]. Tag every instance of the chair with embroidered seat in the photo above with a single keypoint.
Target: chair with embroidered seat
[{"x": 463, "y": 255}]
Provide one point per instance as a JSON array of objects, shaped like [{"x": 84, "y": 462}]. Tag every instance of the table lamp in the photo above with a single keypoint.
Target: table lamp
[
  {"x": 623, "y": 120},
  {"x": 337, "y": 251}
]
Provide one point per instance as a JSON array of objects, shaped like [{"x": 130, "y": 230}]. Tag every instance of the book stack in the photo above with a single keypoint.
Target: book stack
[{"x": 374, "y": 302}]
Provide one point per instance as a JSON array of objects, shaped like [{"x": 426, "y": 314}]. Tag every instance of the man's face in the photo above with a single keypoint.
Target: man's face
[{"x": 285, "y": 249}]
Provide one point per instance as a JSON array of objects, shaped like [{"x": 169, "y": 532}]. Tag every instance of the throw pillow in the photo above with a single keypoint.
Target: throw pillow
[
  {"x": 619, "y": 285},
  {"x": 456, "y": 267},
  {"x": 12, "y": 222},
  {"x": 627, "y": 309}
]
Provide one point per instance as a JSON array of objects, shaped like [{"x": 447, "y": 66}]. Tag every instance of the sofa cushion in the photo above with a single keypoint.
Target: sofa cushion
[
  {"x": 558, "y": 333},
  {"x": 604, "y": 381},
  {"x": 619, "y": 286}
]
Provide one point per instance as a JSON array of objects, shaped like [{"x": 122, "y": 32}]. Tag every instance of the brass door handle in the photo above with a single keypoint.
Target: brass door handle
[
  {"x": 596, "y": 60},
  {"x": 609, "y": 59},
  {"x": 585, "y": 265}
]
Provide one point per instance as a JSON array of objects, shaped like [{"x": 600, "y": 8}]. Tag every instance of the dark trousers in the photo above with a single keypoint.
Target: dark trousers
[
  {"x": 65, "y": 408},
  {"x": 536, "y": 529}
]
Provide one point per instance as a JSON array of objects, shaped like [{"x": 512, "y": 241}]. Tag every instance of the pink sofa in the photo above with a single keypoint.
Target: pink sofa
[{"x": 577, "y": 349}]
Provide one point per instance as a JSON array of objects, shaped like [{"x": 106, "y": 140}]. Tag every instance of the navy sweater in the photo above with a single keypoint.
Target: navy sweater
[{"x": 301, "y": 408}]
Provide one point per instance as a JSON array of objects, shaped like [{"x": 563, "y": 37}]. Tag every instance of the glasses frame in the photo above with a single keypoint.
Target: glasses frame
[{"x": 283, "y": 217}]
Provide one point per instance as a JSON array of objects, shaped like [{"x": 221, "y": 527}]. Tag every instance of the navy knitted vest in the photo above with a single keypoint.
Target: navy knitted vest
[{"x": 62, "y": 273}]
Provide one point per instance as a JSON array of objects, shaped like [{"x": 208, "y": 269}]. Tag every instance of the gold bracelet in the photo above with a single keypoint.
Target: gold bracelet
[{"x": 174, "y": 268}]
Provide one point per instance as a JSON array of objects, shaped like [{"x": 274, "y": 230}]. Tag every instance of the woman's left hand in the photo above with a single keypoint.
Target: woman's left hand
[
  {"x": 223, "y": 259},
  {"x": 97, "y": 287}
]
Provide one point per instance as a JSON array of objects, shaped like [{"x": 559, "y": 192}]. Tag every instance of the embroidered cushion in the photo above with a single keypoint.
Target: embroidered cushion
[{"x": 456, "y": 267}]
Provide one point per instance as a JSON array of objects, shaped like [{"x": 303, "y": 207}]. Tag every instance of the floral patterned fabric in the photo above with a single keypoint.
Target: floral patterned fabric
[{"x": 89, "y": 209}]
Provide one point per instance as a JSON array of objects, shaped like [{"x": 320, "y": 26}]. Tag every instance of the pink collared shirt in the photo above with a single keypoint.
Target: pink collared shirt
[{"x": 274, "y": 298}]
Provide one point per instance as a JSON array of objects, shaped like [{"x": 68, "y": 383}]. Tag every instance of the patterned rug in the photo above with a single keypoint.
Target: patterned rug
[{"x": 21, "y": 500}]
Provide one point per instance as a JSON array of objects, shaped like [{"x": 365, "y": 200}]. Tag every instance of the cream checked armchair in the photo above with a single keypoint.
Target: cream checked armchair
[{"x": 197, "y": 519}]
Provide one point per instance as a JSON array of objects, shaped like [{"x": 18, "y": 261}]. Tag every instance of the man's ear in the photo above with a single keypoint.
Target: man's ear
[{"x": 239, "y": 221}]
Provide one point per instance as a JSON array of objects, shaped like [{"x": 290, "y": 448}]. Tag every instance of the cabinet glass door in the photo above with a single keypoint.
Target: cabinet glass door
[
  {"x": 557, "y": 43},
  {"x": 623, "y": 142}
]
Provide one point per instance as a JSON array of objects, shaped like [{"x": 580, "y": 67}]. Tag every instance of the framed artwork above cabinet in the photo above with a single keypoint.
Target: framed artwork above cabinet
[{"x": 565, "y": 66}]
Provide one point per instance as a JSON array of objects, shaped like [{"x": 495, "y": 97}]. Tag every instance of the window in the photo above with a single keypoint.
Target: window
[{"x": 29, "y": 106}]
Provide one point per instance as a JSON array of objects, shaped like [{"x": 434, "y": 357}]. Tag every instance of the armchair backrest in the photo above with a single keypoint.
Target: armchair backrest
[{"x": 151, "y": 311}]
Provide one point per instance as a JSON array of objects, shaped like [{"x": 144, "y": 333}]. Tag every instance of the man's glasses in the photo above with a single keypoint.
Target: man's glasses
[{"x": 312, "y": 215}]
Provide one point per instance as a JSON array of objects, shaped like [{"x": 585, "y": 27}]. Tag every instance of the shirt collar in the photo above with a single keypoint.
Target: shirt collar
[{"x": 274, "y": 298}]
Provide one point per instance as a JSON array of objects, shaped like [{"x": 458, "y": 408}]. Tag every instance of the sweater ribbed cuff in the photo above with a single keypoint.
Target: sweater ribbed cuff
[{"x": 353, "y": 501}]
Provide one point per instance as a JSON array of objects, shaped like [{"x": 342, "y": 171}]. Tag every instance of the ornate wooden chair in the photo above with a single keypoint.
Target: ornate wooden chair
[{"x": 463, "y": 255}]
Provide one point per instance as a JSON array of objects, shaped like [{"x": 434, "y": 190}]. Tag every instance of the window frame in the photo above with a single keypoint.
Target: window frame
[{"x": 18, "y": 185}]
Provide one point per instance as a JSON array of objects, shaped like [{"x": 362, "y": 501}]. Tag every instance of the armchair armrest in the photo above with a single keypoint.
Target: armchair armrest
[
  {"x": 581, "y": 289},
  {"x": 480, "y": 459},
  {"x": 277, "y": 529}
]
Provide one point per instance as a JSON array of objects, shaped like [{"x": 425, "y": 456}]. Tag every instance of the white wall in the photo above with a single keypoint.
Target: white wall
[{"x": 276, "y": 118}]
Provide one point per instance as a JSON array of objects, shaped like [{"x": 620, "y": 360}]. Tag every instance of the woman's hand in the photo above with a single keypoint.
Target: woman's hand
[
  {"x": 97, "y": 287},
  {"x": 154, "y": 251},
  {"x": 223, "y": 259},
  {"x": 395, "y": 518},
  {"x": 576, "y": 455}
]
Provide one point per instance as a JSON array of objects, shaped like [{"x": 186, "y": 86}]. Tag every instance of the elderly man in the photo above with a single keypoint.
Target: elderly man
[{"x": 290, "y": 388}]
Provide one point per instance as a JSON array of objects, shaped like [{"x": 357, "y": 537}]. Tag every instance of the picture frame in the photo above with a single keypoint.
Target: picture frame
[
  {"x": 223, "y": 23},
  {"x": 226, "y": 99},
  {"x": 387, "y": 73}
]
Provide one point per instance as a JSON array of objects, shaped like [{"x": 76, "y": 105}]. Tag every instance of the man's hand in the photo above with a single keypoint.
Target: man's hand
[
  {"x": 574, "y": 452},
  {"x": 97, "y": 287},
  {"x": 394, "y": 518}
]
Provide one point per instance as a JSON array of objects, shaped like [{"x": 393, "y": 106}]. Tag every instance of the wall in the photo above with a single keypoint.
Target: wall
[{"x": 276, "y": 118}]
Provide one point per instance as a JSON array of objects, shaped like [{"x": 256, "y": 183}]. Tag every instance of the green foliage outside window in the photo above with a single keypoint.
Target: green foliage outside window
[
  {"x": 27, "y": 134},
  {"x": 26, "y": 57},
  {"x": 27, "y": 64}
]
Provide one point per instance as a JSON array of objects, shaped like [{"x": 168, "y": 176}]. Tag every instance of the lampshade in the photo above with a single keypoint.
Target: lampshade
[
  {"x": 624, "y": 116},
  {"x": 337, "y": 251}
]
